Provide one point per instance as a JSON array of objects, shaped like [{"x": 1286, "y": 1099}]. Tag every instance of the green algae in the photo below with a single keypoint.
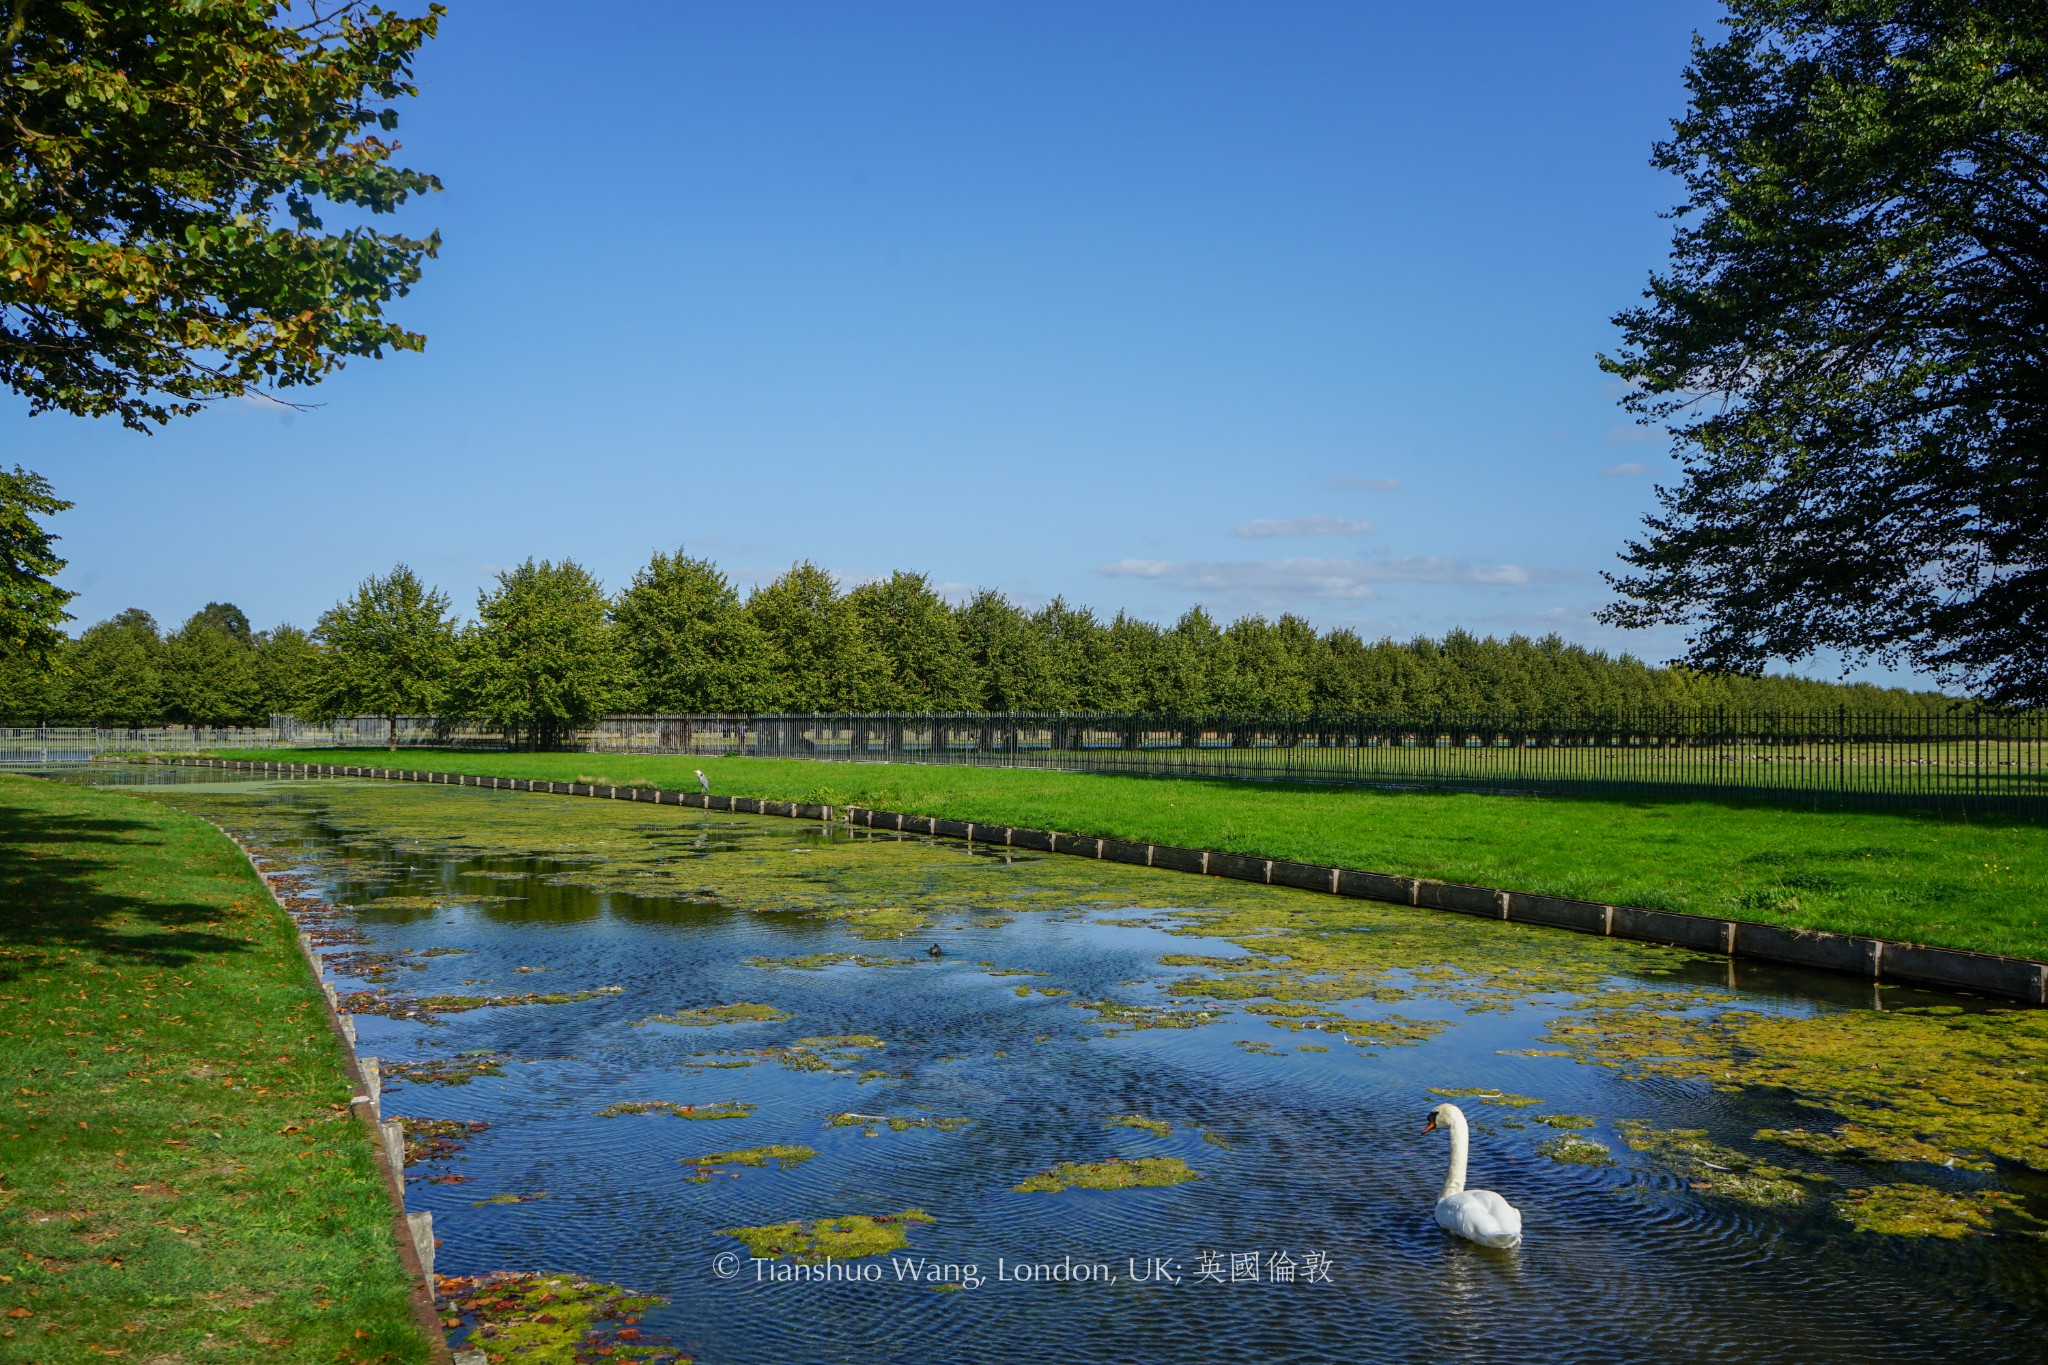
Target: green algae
[
  {"x": 507, "y": 1199},
  {"x": 551, "y": 1318},
  {"x": 1126, "y": 1016},
  {"x": 841, "y": 1040},
  {"x": 818, "y": 962},
  {"x": 780, "y": 1155},
  {"x": 426, "y": 1009},
  {"x": 457, "y": 1070},
  {"x": 1574, "y": 1150},
  {"x": 710, "y": 1016},
  {"x": 1485, "y": 1096},
  {"x": 1049, "y": 991},
  {"x": 723, "y": 1109},
  {"x": 1115, "y": 1174},
  {"x": 1972, "y": 1088},
  {"x": 1711, "y": 1168},
  {"x": 1156, "y": 1127},
  {"x": 810, "y": 1241},
  {"x": 1568, "y": 1121},
  {"x": 897, "y": 1123},
  {"x": 1918, "y": 1211}
]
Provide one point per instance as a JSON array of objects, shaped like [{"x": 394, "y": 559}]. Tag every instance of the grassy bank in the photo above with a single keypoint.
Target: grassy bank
[
  {"x": 180, "y": 1178},
  {"x": 1980, "y": 884}
]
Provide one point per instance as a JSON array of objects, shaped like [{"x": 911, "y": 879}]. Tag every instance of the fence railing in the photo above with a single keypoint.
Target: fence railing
[{"x": 1979, "y": 760}]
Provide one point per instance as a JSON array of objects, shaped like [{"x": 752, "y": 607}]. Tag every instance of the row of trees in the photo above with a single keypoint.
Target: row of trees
[{"x": 549, "y": 650}]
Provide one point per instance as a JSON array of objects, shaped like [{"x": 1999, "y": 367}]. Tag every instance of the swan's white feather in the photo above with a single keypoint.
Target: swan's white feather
[{"x": 1480, "y": 1216}]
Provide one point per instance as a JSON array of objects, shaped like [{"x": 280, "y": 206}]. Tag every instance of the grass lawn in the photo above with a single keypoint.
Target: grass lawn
[
  {"x": 180, "y": 1178},
  {"x": 1978, "y": 883}
]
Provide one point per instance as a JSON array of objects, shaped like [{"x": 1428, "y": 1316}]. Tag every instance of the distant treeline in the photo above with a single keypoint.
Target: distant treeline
[{"x": 550, "y": 650}]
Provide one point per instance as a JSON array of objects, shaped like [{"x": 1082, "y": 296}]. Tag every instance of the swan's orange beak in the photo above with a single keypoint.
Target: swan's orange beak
[{"x": 1430, "y": 1127}]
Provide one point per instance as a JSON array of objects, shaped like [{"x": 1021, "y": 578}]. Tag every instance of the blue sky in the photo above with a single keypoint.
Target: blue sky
[{"x": 1274, "y": 307}]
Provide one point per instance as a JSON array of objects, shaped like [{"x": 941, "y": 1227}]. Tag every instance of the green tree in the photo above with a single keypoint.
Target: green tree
[
  {"x": 166, "y": 162},
  {"x": 912, "y": 628},
  {"x": 686, "y": 642},
  {"x": 31, "y": 606},
  {"x": 1008, "y": 653},
  {"x": 818, "y": 656},
  {"x": 388, "y": 650},
  {"x": 287, "y": 670},
  {"x": 209, "y": 673},
  {"x": 114, "y": 673},
  {"x": 541, "y": 660},
  {"x": 1847, "y": 344}
]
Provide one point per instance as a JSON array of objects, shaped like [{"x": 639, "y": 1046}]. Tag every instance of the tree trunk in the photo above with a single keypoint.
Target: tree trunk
[{"x": 391, "y": 731}]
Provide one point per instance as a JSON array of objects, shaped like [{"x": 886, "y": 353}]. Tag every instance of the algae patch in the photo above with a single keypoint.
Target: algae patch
[
  {"x": 809, "y": 1241},
  {"x": 1115, "y": 1174},
  {"x": 781, "y": 1155},
  {"x": 710, "y": 1016},
  {"x": 541, "y": 1317},
  {"x": 723, "y": 1109},
  {"x": 1156, "y": 1127},
  {"x": 1574, "y": 1150}
]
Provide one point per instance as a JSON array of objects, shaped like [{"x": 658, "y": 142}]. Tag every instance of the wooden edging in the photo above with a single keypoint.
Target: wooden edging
[
  {"x": 1873, "y": 959},
  {"x": 414, "y": 1232}
]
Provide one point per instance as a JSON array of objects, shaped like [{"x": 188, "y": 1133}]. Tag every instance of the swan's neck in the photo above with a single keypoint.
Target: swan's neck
[{"x": 1454, "y": 1182}]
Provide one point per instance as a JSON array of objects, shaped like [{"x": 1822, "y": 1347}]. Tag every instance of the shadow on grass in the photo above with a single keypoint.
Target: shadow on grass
[{"x": 56, "y": 900}]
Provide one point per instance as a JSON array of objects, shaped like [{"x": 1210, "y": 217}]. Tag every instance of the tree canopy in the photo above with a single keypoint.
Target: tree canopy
[
  {"x": 389, "y": 651},
  {"x": 31, "y": 606},
  {"x": 1847, "y": 345},
  {"x": 541, "y": 659},
  {"x": 549, "y": 652},
  {"x": 163, "y": 168}
]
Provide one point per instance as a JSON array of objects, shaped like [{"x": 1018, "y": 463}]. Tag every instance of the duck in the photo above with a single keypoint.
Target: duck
[
  {"x": 1476, "y": 1215},
  {"x": 935, "y": 951}
]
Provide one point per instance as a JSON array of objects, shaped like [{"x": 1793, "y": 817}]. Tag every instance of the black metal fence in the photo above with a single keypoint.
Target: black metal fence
[{"x": 1971, "y": 759}]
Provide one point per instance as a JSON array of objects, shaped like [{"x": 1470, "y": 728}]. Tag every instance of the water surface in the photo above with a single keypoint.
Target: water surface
[{"x": 1307, "y": 1158}]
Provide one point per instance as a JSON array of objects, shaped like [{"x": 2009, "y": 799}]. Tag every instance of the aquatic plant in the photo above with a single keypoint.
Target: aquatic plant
[
  {"x": 1486, "y": 1096},
  {"x": 426, "y": 1009},
  {"x": 542, "y": 1317},
  {"x": 436, "y": 1139},
  {"x": 781, "y": 1155},
  {"x": 808, "y": 1241},
  {"x": 1156, "y": 1127},
  {"x": 817, "y": 962},
  {"x": 1711, "y": 1168},
  {"x": 507, "y": 1199},
  {"x": 1918, "y": 1211},
  {"x": 897, "y": 1123},
  {"x": 457, "y": 1070},
  {"x": 1114, "y": 1174},
  {"x": 722, "y": 1109},
  {"x": 1575, "y": 1150},
  {"x": 709, "y": 1016}
]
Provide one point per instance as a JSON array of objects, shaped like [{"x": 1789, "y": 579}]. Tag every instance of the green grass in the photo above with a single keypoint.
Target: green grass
[
  {"x": 1978, "y": 883},
  {"x": 180, "y": 1178}
]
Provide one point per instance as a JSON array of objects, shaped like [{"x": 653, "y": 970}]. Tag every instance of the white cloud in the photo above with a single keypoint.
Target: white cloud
[
  {"x": 1302, "y": 526},
  {"x": 1628, "y": 434},
  {"x": 1626, "y": 470},
  {"x": 1382, "y": 485},
  {"x": 1332, "y": 578}
]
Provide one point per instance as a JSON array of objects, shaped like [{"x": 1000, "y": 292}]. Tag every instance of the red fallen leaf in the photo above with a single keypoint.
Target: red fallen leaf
[
  {"x": 627, "y": 1334},
  {"x": 19, "y": 1313}
]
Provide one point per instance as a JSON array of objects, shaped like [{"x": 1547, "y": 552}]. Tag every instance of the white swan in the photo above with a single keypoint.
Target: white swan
[{"x": 1476, "y": 1215}]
